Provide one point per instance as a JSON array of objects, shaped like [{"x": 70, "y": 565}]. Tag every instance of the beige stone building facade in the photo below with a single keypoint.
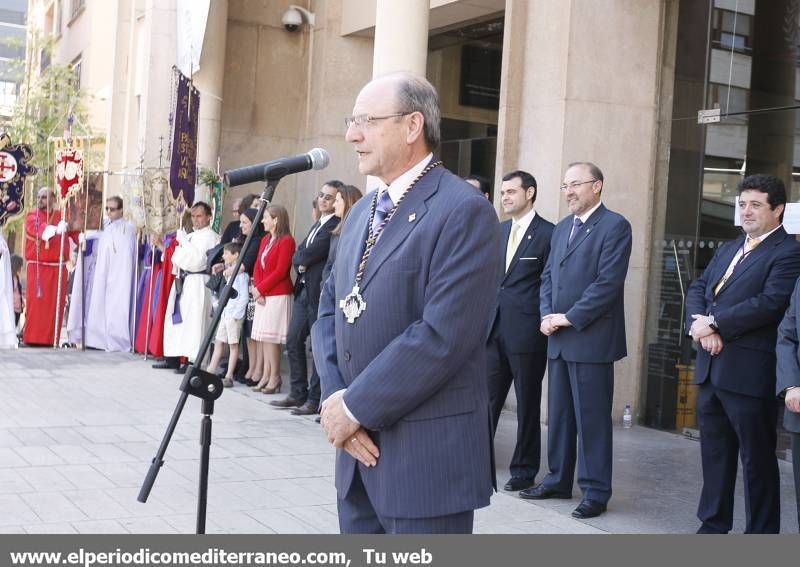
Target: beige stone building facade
[{"x": 530, "y": 84}]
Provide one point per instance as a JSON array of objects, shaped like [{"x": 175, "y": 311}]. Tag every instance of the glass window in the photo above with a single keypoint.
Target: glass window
[
  {"x": 77, "y": 65},
  {"x": 8, "y": 97},
  {"x": 76, "y": 7},
  {"x": 731, "y": 30},
  {"x": 12, "y": 42}
]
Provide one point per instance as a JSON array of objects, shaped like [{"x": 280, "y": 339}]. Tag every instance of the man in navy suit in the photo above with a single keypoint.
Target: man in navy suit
[
  {"x": 400, "y": 338},
  {"x": 308, "y": 261},
  {"x": 582, "y": 298},
  {"x": 788, "y": 381},
  {"x": 733, "y": 311},
  {"x": 517, "y": 349}
]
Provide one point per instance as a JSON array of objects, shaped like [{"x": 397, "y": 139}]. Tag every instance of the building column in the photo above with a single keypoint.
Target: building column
[
  {"x": 209, "y": 80},
  {"x": 401, "y": 37}
]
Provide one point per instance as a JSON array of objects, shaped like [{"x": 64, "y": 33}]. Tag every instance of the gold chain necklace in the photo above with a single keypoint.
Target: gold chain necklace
[{"x": 353, "y": 304}]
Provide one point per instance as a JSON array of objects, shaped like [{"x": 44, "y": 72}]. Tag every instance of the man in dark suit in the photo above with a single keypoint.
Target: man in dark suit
[
  {"x": 788, "y": 381},
  {"x": 517, "y": 349},
  {"x": 400, "y": 338},
  {"x": 733, "y": 310},
  {"x": 582, "y": 307},
  {"x": 308, "y": 261}
]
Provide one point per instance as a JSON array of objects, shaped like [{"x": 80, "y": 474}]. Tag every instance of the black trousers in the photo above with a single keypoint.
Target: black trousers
[
  {"x": 796, "y": 467},
  {"x": 525, "y": 371},
  {"x": 304, "y": 314},
  {"x": 731, "y": 425}
]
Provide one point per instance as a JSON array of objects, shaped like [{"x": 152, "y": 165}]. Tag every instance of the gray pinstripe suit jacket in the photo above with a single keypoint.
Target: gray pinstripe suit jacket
[{"x": 414, "y": 362}]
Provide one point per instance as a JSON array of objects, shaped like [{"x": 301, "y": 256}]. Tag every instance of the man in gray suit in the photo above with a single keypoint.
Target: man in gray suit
[
  {"x": 788, "y": 381},
  {"x": 581, "y": 302},
  {"x": 399, "y": 338}
]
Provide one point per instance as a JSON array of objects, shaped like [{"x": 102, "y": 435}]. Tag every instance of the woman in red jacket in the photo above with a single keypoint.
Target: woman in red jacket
[{"x": 272, "y": 291}]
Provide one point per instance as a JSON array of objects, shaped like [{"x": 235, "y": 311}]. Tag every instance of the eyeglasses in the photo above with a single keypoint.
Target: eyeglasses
[
  {"x": 366, "y": 119},
  {"x": 575, "y": 184},
  {"x": 325, "y": 196}
]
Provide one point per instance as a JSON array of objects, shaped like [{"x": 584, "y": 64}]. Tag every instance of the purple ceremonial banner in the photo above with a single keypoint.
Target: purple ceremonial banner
[
  {"x": 14, "y": 168},
  {"x": 183, "y": 165}
]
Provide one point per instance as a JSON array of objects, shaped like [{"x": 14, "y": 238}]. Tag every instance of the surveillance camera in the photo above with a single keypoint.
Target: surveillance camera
[{"x": 292, "y": 19}]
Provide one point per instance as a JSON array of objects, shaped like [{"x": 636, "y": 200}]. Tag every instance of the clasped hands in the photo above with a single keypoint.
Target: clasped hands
[
  {"x": 553, "y": 322},
  {"x": 257, "y": 297},
  {"x": 708, "y": 338},
  {"x": 344, "y": 433},
  {"x": 792, "y": 399}
]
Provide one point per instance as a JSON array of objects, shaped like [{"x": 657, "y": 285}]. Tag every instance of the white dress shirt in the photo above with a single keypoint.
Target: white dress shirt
[
  {"x": 747, "y": 239},
  {"x": 322, "y": 221},
  {"x": 585, "y": 216},
  {"x": 399, "y": 186}
]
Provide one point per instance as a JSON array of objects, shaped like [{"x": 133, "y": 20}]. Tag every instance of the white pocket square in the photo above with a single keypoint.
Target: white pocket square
[{"x": 530, "y": 258}]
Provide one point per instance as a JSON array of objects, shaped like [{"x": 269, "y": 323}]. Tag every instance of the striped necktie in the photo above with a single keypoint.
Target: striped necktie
[{"x": 749, "y": 246}]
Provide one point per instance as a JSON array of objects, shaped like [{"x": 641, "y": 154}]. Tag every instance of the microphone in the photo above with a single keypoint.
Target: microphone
[{"x": 276, "y": 169}]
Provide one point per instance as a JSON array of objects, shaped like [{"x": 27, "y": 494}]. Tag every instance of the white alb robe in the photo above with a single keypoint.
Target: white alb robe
[
  {"x": 184, "y": 339},
  {"x": 84, "y": 272},
  {"x": 108, "y": 321},
  {"x": 8, "y": 331}
]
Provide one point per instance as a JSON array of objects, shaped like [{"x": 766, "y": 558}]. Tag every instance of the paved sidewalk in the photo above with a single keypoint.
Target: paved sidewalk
[{"x": 78, "y": 430}]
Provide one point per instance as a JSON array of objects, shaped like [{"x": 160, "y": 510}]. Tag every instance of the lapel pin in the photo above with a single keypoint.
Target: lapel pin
[
  {"x": 412, "y": 217},
  {"x": 529, "y": 237}
]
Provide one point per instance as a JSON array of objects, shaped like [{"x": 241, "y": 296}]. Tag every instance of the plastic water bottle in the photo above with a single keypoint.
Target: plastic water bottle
[{"x": 627, "y": 417}]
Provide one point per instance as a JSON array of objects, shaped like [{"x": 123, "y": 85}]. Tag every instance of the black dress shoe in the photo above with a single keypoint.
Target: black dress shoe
[
  {"x": 588, "y": 509},
  {"x": 542, "y": 492},
  {"x": 306, "y": 409},
  {"x": 166, "y": 364},
  {"x": 708, "y": 530},
  {"x": 288, "y": 402},
  {"x": 516, "y": 483}
]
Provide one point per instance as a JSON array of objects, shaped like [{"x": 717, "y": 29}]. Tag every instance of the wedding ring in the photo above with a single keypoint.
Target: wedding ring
[{"x": 353, "y": 440}]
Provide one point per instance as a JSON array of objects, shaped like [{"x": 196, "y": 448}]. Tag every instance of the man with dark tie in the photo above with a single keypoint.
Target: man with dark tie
[
  {"x": 733, "y": 310},
  {"x": 516, "y": 349},
  {"x": 308, "y": 261},
  {"x": 788, "y": 382},
  {"x": 581, "y": 302},
  {"x": 400, "y": 338}
]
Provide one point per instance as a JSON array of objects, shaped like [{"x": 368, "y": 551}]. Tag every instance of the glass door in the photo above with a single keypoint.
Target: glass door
[{"x": 740, "y": 57}]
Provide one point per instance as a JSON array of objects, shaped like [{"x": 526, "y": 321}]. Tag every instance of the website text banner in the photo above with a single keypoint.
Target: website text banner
[{"x": 394, "y": 551}]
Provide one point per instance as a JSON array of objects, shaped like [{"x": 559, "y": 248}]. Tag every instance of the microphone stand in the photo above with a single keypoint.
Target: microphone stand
[{"x": 204, "y": 385}]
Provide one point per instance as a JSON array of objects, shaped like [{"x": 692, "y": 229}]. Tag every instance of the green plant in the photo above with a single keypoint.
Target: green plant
[
  {"x": 207, "y": 176},
  {"x": 49, "y": 102}
]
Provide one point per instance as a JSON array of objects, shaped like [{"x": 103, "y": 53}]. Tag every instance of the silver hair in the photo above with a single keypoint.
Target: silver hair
[{"x": 417, "y": 94}]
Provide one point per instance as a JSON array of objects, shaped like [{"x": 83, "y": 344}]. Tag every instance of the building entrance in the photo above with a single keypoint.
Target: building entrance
[
  {"x": 741, "y": 58},
  {"x": 464, "y": 64}
]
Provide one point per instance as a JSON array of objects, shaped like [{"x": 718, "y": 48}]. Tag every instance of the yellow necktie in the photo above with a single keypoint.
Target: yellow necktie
[
  {"x": 513, "y": 242},
  {"x": 749, "y": 245}
]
